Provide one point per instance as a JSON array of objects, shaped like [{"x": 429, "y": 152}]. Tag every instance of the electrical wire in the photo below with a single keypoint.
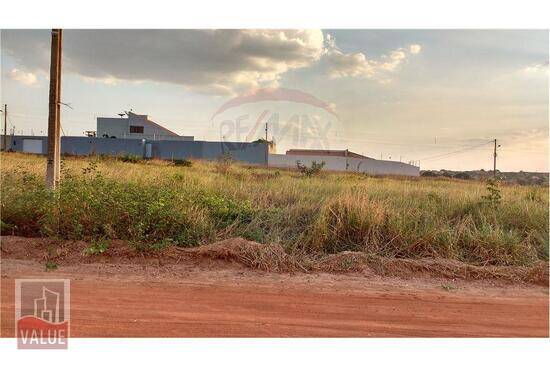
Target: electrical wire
[{"x": 435, "y": 157}]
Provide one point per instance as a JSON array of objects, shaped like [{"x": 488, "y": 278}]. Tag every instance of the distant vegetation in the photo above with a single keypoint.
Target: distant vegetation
[
  {"x": 157, "y": 203},
  {"x": 519, "y": 178}
]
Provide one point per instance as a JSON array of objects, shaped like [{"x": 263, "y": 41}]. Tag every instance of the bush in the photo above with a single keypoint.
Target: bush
[
  {"x": 428, "y": 174},
  {"x": 462, "y": 176},
  {"x": 97, "y": 247},
  {"x": 182, "y": 162},
  {"x": 493, "y": 196},
  {"x": 313, "y": 170},
  {"x": 131, "y": 158}
]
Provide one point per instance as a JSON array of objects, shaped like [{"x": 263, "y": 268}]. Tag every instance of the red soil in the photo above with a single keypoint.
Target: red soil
[{"x": 216, "y": 299}]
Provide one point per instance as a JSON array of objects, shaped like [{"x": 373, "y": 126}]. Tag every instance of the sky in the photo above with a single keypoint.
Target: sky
[{"x": 435, "y": 97}]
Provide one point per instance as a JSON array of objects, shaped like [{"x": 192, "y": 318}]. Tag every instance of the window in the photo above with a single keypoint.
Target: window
[{"x": 136, "y": 129}]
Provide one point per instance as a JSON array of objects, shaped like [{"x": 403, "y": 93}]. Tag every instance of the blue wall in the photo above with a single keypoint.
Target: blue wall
[{"x": 255, "y": 153}]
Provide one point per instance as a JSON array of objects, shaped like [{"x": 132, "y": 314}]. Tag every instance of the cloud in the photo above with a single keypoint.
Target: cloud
[
  {"x": 414, "y": 49},
  {"x": 342, "y": 65},
  {"x": 219, "y": 62},
  {"x": 536, "y": 69},
  {"x": 209, "y": 61},
  {"x": 23, "y": 77}
]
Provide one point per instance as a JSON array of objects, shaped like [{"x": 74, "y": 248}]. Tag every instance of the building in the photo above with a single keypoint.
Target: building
[
  {"x": 135, "y": 126},
  {"x": 342, "y": 160},
  {"x": 253, "y": 153},
  {"x": 137, "y": 135}
]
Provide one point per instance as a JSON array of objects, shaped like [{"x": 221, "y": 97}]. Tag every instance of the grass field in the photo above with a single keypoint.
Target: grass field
[{"x": 155, "y": 204}]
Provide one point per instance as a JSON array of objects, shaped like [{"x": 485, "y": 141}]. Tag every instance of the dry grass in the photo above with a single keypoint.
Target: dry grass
[
  {"x": 353, "y": 262},
  {"x": 155, "y": 203},
  {"x": 251, "y": 254}
]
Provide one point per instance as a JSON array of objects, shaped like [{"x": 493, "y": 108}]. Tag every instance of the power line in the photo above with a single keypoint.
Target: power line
[{"x": 454, "y": 152}]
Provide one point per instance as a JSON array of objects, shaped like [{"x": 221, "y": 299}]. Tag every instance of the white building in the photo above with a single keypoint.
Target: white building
[
  {"x": 342, "y": 160},
  {"x": 135, "y": 126}
]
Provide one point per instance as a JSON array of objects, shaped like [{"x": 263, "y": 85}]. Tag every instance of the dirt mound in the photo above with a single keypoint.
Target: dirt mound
[
  {"x": 251, "y": 254},
  {"x": 360, "y": 262},
  {"x": 270, "y": 257}
]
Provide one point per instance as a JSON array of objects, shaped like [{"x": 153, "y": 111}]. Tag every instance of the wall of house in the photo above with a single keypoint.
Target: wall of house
[
  {"x": 254, "y": 153},
  {"x": 120, "y": 128},
  {"x": 363, "y": 165}
]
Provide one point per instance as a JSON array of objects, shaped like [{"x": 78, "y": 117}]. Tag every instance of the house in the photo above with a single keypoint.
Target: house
[
  {"x": 342, "y": 160},
  {"x": 135, "y": 126}
]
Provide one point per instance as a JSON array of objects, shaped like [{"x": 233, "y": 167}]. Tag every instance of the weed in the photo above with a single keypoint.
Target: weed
[
  {"x": 493, "y": 196},
  {"x": 50, "y": 265},
  {"x": 448, "y": 287},
  {"x": 313, "y": 170},
  {"x": 224, "y": 163},
  {"x": 182, "y": 162},
  {"x": 178, "y": 176},
  {"x": 533, "y": 194},
  {"x": 155, "y": 246},
  {"x": 97, "y": 247},
  {"x": 131, "y": 158},
  {"x": 347, "y": 263}
]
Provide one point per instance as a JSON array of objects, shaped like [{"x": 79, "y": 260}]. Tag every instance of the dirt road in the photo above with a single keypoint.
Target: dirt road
[{"x": 179, "y": 301}]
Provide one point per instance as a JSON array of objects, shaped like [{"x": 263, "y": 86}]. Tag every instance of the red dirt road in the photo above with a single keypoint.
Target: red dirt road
[{"x": 144, "y": 301}]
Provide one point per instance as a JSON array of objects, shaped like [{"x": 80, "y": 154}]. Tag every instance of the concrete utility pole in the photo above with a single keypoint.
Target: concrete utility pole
[
  {"x": 495, "y": 159},
  {"x": 5, "y": 128},
  {"x": 54, "y": 140}
]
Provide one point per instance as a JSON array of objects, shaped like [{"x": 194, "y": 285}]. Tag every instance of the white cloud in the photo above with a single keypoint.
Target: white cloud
[
  {"x": 414, "y": 49},
  {"x": 210, "y": 61},
  {"x": 26, "y": 78},
  {"x": 341, "y": 65},
  {"x": 534, "y": 69}
]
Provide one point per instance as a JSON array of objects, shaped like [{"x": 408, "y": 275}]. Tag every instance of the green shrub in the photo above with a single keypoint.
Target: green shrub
[
  {"x": 313, "y": 170},
  {"x": 131, "y": 158},
  {"x": 97, "y": 247},
  {"x": 182, "y": 162}
]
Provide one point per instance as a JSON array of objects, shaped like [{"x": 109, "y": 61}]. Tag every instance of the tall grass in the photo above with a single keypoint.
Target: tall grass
[{"x": 157, "y": 202}]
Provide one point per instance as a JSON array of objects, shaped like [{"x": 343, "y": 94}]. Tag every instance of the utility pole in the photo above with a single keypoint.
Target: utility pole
[
  {"x": 54, "y": 140},
  {"x": 495, "y": 159},
  {"x": 5, "y": 128},
  {"x": 266, "y": 131},
  {"x": 58, "y": 104}
]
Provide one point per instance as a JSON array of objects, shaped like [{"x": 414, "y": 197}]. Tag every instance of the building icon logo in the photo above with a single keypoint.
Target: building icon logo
[{"x": 42, "y": 313}]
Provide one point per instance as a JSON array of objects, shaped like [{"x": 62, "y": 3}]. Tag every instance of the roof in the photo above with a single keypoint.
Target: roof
[
  {"x": 170, "y": 132},
  {"x": 324, "y": 152},
  {"x": 146, "y": 118}
]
